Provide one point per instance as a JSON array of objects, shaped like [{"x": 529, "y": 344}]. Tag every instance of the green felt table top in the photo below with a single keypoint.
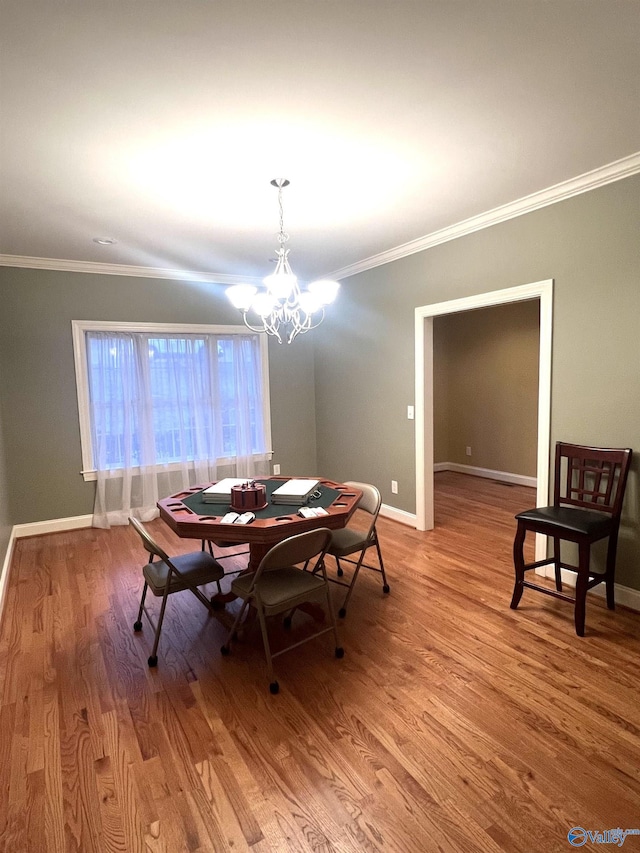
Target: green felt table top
[{"x": 327, "y": 497}]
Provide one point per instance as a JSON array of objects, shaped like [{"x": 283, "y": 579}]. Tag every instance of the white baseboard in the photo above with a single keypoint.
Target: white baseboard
[
  {"x": 625, "y": 595},
  {"x": 408, "y": 518},
  {"x": 55, "y": 525},
  {"x": 4, "y": 576},
  {"x": 487, "y": 473}
]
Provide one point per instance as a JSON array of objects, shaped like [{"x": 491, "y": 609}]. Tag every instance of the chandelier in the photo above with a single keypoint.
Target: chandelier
[{"x": 283, "y": 310}]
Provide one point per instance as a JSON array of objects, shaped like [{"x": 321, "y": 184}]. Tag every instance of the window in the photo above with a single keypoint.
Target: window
[{"x": 152, "y": 395}]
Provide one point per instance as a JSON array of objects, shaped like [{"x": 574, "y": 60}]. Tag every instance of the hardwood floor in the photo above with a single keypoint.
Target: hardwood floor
[{"x": 451, "y": 724}]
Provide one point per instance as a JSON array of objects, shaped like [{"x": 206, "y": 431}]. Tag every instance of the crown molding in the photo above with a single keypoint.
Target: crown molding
[
  {"x": 616, "y": 171},
  {"x": 608, "y": 174},
  {"x": 62, "y": 265}
]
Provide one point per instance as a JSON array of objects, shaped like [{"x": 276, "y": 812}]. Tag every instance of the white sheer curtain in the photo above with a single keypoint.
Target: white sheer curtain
[{"x": 169, "y": 411}]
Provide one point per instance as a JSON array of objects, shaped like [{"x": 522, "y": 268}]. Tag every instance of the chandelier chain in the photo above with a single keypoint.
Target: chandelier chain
[{"x": 282, "y": 235}]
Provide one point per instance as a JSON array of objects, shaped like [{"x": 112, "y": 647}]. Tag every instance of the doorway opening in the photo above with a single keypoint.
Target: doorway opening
[{"x": 424, "y": 421}]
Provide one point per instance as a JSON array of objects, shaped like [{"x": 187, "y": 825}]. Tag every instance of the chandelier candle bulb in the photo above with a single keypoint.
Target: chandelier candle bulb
[
  {"x": 283, "y": 309},
  {"x": 324, "y": 290},
  {"x": 241, "y": 296},
  {"x": 263, "y": 304}
]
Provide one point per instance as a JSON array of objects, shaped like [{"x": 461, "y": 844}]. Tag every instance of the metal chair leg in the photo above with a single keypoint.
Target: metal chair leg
[
  {"x": 273, "y": 684},
  {"x": 343, "y": 610},
  {"x": 137, "y": 625},
  {"x": 334, "y": 624},
  {"x": 385, "y": 585},
  {"x": 226, "y": 648},
  {"x": 153, "y": 658}
]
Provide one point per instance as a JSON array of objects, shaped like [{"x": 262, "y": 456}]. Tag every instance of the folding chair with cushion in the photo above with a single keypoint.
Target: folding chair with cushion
[
  {"x": 279, "y": 585},
  {"x": 349, "y": 541},
  {"x": 589, "y": 488},
  {"x": 167, "y": 575}
]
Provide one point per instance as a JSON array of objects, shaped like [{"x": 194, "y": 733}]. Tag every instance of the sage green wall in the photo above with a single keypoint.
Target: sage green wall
[
  {"x": 485, "y": 387},
  {"x": 37, "y": 382},
  {"x": 364, "y": 367}
]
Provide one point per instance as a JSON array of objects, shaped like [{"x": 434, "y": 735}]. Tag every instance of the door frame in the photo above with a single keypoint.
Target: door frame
[{"x": 541, "y": 290}]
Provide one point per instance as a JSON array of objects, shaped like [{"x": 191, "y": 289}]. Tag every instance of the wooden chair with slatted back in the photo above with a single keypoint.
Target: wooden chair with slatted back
[{"x": 589, "y": 488}]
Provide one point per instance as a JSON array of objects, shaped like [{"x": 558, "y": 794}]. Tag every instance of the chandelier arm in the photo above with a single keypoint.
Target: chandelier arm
[
  {"x": 272, "y": 325},
  {"x": 294, "y": 297},
  {"x": 309, "y": 321},
  {"x": 270, "y": 329},
  {"x": 248, "y": 324}
]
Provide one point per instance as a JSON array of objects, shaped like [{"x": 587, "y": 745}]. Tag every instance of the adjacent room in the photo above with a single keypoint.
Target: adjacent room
[{"x": 383, "y": 258}]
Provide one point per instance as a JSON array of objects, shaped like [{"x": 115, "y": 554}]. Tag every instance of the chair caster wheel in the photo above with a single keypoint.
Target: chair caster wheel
[
  {"x": 386, "y": 588},
  {"x": 342, "y": 612},
  {"x": 225, "y": 650},
  {"x": 286, "y": 622},
  {"x": 339, "y": 652},
  {"x": 153, "y": 660},
  {"x": 274, "y": 687},
  {"x": 339, "y": 572},
  {"x": 137, "y": 626}
]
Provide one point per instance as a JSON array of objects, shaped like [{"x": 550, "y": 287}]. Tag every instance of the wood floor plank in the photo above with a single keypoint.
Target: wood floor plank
[
  {"x": 53, "y": 794},
  {"x": 452, "y": 723}
]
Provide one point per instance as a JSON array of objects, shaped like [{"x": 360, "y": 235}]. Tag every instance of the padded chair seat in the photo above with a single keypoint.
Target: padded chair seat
[
  {"x": 584, "y": 522},
  {"x": 346, "y": 541},
  {"x": 198, "y": 568},
  {"x": 281, "y": 585}
]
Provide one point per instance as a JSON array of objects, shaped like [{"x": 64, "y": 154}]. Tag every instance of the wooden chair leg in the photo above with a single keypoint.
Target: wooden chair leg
[
  {"x": 581, "y": 604},
  {"x": 610, "y": 575},
  {"x": 518, "y": 564},
  {"x": 556, "y": 563},
  {"x": 581, "y": 588}
]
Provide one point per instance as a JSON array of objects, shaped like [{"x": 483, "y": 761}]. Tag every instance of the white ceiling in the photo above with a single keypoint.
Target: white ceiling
[{"x": 160, "y": 123}]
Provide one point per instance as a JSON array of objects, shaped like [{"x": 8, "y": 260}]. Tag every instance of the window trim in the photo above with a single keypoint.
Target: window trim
[{"x": 79, "y": 328}]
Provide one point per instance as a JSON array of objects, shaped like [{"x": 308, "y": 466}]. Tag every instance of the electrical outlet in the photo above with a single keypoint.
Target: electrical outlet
[
  {"x": 468, "y": 451},
  {"x": 276, "y": 469},
  {"x": 410, "y": 414},
  {"x": 394, "y": 487}
]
